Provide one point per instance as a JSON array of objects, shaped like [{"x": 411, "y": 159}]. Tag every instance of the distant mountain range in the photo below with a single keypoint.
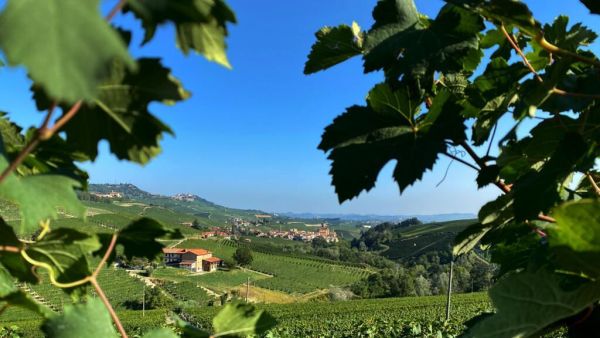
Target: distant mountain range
[
  {"x": 381, "y": 218},
  {"x": 131, "y": 191}
]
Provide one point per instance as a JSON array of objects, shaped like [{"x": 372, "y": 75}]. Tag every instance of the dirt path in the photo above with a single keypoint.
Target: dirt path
[
  {"x": 177, "y": 243},
  {"x": 209, "y": 291},
  {"x": 258, "y": 272}
]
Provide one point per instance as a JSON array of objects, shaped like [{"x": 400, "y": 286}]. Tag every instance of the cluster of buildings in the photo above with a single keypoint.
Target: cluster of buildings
[
  {"x": 216, "y": 232},
  {"x": 185, "y": 197},
  {"x": 112, "y": 194},
  {"x": 195, "y": 260},
  {"x": 302, "y": 235}
]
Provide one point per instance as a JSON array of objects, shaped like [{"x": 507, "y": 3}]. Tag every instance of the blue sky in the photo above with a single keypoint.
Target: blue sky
[{"x": 247, "y": 137}]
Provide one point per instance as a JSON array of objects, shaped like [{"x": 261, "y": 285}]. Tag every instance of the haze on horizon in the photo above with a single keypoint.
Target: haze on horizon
[{"x": 247, "y": 137}]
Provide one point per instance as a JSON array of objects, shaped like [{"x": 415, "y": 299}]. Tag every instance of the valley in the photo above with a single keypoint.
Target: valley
[{"x": 282, "y": 271}]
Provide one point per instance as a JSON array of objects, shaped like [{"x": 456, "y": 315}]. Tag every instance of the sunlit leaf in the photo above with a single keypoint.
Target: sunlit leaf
[{"x": 64, "y": 44}]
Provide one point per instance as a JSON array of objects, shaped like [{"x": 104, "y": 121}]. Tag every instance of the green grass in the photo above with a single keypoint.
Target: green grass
[
  {"x": 119, "y": 287},
  {"x": 353, "y": 318},
  {"x": 187, "y": 293},
  {"x": 430, "y": 228},
  {"x": 290, "y": 274},
  {"x": 218, "y": 281}
]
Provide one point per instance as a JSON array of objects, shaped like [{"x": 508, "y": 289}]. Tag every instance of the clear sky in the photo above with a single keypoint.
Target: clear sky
[{"x": 247, "y": 137}]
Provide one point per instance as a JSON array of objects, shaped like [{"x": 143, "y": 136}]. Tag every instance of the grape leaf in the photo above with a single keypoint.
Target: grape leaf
[
  {"x": 487, "y": 175},
  {"x": 13, "y": 261},
  {"x": 507, "y": 12},
  {"x": 527, "y": 302},
  {"x": 448, "y": 44},
  {"x": 201, "y": 25},
  {"x": 65, "y": 250},
  {"x": 495, "y": 37},
  {"x": 242, "y": 319},
  {"x": 394, "y": 12},
  {"x": 64, "y": 44},
  {"x": 12, "y": 295},
  {"x": 334, "y": 45},
  {"x": 190, "y": 331},
  {"x": 592, "y": 5},
  {"x": 569, "y": 39},
  {"x": 39, "y": 196},
  {"x": 380, "y": 132},
  {"x": 90, "y": 319},
  {"x": 120, "y": 113},
  {"x": 467, "y": 239},
  {"x": 537, "y": 192},
  {"x": 139, "y": 239},
  {"x": 576, "y": 235}
]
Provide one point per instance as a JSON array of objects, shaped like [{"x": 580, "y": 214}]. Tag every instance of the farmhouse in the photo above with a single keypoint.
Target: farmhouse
[{"x": 196, "y": 260}]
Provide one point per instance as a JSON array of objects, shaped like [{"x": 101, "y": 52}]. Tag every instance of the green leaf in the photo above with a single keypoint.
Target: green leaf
[
  {"x": 139, "y": 239},
  {"x": 569, "y": 39},
  {"x": 495, "y": 37},
  {"x": 13, "y": 261},
  {"x": 407, "y": 47},
  {"x": 12, "y": 295},
  {"x": 577, "y": 229},
  {"x": 64, "y": 44},
  {"x": 241, "y": 320},
  {"x": 120, "y": 113},
  {"x": 380, "y": 133},
  {"x": 498, "y": 78},
  {"x": 468, "y": 239},
  {"x": 160, "y": 333},
  {"x": 592, "y": 5},
  {"x": 527, "y": 302},
  {"x": 397, "y": 103},
  {"x": 65, "y": 250},
  {"x": 507, "y": 12},
  {"x": 334, "y": 45},
  {"x": 90, "y": 319},
  {"x": 487, "y": 175},
  {"x": 190, "y": 331},
  {"x": 39, "y": 196},
  {"x": 402, "y": 12},
  {"x": 201, "y": 25},
  {"x": 537, "y": 192}
]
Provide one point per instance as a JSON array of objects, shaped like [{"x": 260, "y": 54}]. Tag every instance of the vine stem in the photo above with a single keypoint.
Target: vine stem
[
  {"x": 515, "y": 46},
  {"x": 501, "y": 185},
  {"x": 557, "y": 50},
  {"x": 116, "y": 9},
  {"x": 44, "y": 133},
  {"x": 93, "y": 280},
  {"x": 551, "y": 49},
  {"x": 593, "y": 183},
  {"x": 458, "y": 159}
]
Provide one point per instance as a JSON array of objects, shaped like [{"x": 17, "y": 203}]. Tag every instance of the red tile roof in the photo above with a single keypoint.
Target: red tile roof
[
  {"x": 198, "y": 252},
  {"x": 212, "y": 259},
  {"x": 173, "y": 250}
]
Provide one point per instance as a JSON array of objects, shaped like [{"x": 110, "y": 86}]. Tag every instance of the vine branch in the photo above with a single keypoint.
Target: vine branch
[
  {"x": 593, "y": 183},
  {"x": 458, "y": 159},
  {"x": 116, "y": 9},
  {"x": 93, "y": 280},
  {"x": 501, "y": 185},
  {"x": 515, "y": 46},
  {"x": 546, "y": 45},
  {"x": 44, "y": 133},
  {"x": 559, "y": 51}
]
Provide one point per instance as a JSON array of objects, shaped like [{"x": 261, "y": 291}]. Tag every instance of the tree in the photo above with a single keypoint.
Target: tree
[
  {"x": 195, "y": 224},
  {"x": 243, "y": 256},
  {"x": 542, "y": 231},
  {"x": 91, "y": 89}
]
